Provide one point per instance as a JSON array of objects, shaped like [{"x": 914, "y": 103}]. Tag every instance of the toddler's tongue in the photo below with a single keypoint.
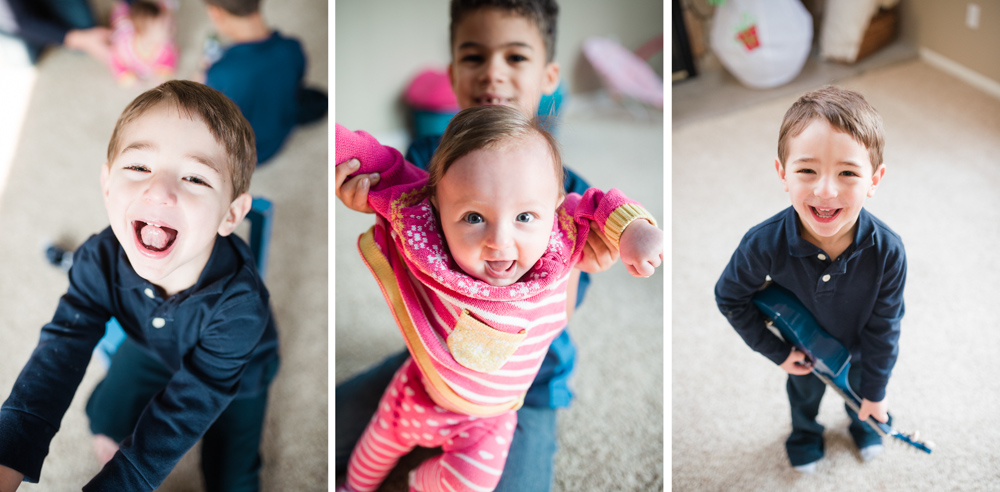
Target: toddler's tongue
[
  {"x": 154, "y": 237},
  {"x": 825, "y": 213}
]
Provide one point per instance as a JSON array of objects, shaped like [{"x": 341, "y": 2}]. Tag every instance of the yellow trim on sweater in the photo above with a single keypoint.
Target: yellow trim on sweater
[
  {"x": 437, "y": 388},
  {"x": 622, "y": 217}
]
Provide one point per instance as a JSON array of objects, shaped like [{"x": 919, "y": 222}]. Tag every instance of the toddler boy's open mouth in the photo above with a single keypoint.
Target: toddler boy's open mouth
[
  {"x": 825, "y": 214},
  {"x": 153, "y": 237}
]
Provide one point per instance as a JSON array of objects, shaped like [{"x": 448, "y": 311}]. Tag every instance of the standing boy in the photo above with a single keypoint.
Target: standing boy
[
  {"x": 503, "y": 52},
  {"x": 847, "y": 267},
  {"x": 262, "y": 72},
  {"x": 202, "y": 346}
]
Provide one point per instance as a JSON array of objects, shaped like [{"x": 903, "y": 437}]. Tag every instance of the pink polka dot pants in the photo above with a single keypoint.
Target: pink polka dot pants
[{"x": 475, "y": 449}]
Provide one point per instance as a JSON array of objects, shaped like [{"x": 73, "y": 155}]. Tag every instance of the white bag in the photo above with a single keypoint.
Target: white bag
[{"x": 763, "y": 43}]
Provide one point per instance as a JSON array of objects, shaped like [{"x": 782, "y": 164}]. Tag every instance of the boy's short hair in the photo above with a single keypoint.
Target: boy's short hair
[
  {"x": 239, "y": 8},
  {"x": 846, "y": 110},
  {"x": 488, "y": 127},
  {"x": 544, "y": 13},
  {"x": 220, "y": 114}
]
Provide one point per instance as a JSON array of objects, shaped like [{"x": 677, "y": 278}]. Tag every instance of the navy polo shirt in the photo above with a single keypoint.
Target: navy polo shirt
[
  {"x": 218, "y": 336},
  {"x": 550, "y": 387},
  {"x": 857, "y": 298}
]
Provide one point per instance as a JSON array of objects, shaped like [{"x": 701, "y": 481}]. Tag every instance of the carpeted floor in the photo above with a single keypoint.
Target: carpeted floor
[
  {"x": 611, "y": 437},
  {"x": 730, "y": 414},
  {"x": 52, "y": 193}
]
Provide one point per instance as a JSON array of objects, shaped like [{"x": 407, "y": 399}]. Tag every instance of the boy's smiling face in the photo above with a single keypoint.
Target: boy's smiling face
[
  {"x": 497, "y": 208},
  {"x": 168, "y": 193},
  {"x": 828, "y": 176},
  {"x": 499, "y": 58}
]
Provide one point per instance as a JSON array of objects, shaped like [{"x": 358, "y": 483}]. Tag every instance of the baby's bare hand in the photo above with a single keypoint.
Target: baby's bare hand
[
  {"x": 95, "y": 41},
  {"x": 641, "y": 247},
  {"x": 353, "y": 192}
]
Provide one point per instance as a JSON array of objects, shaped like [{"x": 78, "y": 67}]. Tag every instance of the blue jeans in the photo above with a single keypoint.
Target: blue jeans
[
  {"x": 529, "y": 464},
  {"x": 805, "y": 444}
]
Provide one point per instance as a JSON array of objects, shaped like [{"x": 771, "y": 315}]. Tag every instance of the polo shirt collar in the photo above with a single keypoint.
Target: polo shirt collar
[
  {"x": 864, "y": 235},
  {"x": 221, "y": 264}
]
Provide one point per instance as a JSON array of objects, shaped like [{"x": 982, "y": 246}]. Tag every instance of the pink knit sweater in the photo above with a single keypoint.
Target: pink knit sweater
[{"x": 479, "y": 346}]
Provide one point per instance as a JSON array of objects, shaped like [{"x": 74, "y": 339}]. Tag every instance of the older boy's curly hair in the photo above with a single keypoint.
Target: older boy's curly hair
[
  {"x": 544, "y": 13},
  {"x": 239, "y": 8},
  {"x": 488, "y": 127},
  {"x": 846, "y": 110},
  {"x": 220, "y": 114}
]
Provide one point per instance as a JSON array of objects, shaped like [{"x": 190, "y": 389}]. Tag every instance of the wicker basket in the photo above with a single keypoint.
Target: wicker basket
[{"x": 881, "y": 31}]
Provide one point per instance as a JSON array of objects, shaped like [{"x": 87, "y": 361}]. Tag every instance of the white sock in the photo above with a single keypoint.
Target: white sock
[{"x": 871, "y": 452}]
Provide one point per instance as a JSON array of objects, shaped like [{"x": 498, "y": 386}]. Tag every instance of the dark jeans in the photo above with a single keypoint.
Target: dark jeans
[
  {"x": 529, "y": 464},
  {"x": 230, "y": 457},
  {"x": 805, "y": 444}
]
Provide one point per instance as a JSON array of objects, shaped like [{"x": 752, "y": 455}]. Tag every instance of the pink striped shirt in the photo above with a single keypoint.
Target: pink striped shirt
[{"x": 485, "y": 342}]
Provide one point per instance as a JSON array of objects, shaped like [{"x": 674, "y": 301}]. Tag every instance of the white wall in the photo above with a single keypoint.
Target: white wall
[{"x": 382, "y": 44}]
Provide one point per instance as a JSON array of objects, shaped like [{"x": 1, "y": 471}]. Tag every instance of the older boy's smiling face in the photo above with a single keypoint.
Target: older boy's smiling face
[
  {"x": 500, "y": 58},
  {"x": 828, "y": 177},
  {"x": 167, "y": 193}
]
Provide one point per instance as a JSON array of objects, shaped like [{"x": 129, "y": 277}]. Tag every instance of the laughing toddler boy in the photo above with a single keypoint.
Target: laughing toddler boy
[
  {"x": 202, "y": 346},
  {"x": 847, "y": 267}
]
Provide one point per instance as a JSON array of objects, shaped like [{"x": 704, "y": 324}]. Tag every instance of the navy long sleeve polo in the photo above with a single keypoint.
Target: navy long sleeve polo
[
  {"x": 218, "y": 336},
  {"x": 857, "y": 298}
]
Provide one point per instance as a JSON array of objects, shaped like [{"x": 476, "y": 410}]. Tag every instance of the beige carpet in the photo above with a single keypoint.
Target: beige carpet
[
  {"x": 52, "y": 193},
  {"x": 611, "y": 438},
  {"x": 730, "y": 414}
]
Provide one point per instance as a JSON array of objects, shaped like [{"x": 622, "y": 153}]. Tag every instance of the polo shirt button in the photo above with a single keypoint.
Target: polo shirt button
[
  {"x": 821, "y": 256},
  {"x": 160, "y": 322},
  {"x": 826, "y": 278},
  {"x": 149, "y": 293}
]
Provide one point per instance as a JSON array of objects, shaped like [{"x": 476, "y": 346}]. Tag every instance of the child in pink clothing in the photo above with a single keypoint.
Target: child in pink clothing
[
  {"x": 474, "y": 261},
  {"x": 142, "y": 44}
]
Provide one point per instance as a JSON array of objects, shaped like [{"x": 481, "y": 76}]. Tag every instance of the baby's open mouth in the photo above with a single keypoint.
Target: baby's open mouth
[
  {"x": 500, "y": 266},
  {"x": 825, "y": 213},
  {"x": 153, "y": 237}
]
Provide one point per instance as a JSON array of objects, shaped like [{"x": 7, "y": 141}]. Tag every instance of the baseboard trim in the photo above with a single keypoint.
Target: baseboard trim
[{"x": 973, "y": 78}]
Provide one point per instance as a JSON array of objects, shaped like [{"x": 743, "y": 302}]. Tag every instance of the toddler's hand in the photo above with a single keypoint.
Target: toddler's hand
[
  {"x": 95, "y": 41},
  {"x": 354, "y": 192},
  {"x": 641, "y": 247},
  {"x": 878, "y": 410},
  {"x": 796, "y": 364},
  {"x": 598, "y": 254},
  {"x": 10, "y": 479}
]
